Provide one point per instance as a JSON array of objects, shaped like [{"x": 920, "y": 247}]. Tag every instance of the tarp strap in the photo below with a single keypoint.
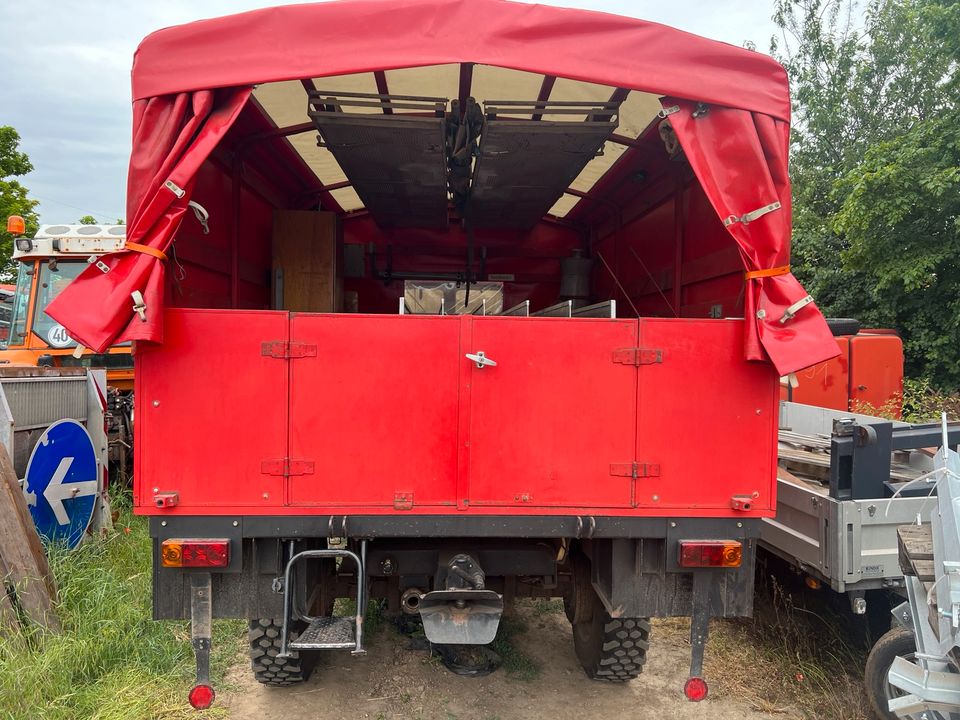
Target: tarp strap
[
  {"x": 139, "y": 306},
  {"x": 146, "y": 249},
  {"x": 792, "y": 311},
  {"x": 749, "y": 217},
  {"x": 769, "y": 272}
]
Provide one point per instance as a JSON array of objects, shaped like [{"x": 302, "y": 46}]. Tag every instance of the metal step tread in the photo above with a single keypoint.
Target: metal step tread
[{"x": 326, "y": 633}]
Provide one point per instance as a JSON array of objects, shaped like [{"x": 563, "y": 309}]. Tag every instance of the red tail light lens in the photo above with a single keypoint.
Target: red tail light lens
[
  {"x": 202, "y": 696},
  {"x": 710, "y": 553},
  {"x": 183, "y": 553},
  {"x": 695, "y": 689}
]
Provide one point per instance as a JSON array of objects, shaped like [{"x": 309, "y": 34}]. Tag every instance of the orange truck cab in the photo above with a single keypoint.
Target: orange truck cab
[{"x": 46, "y": 264}]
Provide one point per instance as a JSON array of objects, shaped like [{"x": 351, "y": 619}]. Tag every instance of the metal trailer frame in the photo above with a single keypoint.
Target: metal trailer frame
[
  {"x": 930, "y": 682},
  {"x": 846, "y": 536}
]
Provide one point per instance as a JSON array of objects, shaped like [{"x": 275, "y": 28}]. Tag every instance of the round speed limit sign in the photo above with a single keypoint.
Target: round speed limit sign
[{"x": 58, "y": 337}]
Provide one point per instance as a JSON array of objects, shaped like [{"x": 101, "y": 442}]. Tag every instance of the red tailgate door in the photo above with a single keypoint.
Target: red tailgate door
[
  {"x": 707, "y": 419},
  {"x": 554, "y": 416},
  {"x": 373, "y": 410},
  {"x": 207, "y": 440}
]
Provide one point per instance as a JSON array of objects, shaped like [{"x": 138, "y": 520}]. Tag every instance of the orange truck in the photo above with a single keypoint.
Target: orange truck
[{"x": 46, "y": 264}]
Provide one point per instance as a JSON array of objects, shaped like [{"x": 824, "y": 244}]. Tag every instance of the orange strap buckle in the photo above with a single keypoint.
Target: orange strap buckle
[
  {"x": 146, "y": 249},
  {"x": 769, "y": 272}
]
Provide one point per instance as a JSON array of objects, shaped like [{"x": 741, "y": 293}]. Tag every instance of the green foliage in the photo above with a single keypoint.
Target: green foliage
[
  {"x": 13, "y": 195},
  {"x": 111, "y": 660},
  {"x": 88, "y": 220},
  {"x": 874, "y": 138}
]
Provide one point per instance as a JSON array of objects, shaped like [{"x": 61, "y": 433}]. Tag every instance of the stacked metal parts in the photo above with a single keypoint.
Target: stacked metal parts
[{"x": 504, "y": 166}]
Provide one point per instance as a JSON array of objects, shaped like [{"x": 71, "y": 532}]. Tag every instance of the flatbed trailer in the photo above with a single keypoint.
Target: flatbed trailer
[
  {"x": 846, "y": 482},
  {"x": 472, "y": 270}
]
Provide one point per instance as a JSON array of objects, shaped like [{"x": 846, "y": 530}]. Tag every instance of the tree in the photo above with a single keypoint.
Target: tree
[
  {"x": 13, "y": 195},
  {"x": 88, "y": 220},
  {"x": 873, "y": 89}
]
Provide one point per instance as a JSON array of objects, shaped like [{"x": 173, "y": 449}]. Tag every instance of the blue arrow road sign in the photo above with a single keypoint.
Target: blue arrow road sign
[{"x": 61, "y": 484}]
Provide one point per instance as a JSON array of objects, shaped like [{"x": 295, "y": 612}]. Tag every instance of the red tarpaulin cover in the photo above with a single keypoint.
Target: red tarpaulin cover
[{"x": 178, "y": 120}]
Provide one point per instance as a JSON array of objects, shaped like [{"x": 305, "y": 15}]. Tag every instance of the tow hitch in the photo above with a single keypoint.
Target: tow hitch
[
  {"x": 202, "y": 694},
  {"x": 464, "y": 613}
]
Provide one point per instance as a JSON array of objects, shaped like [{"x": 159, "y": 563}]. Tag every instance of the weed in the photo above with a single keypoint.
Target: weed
[
  {"x": 112, "y": 660},
  {"x": 789, "y": 658},
  {"x": 545, "y": 606},
  {"x": 516, "y": 663}
]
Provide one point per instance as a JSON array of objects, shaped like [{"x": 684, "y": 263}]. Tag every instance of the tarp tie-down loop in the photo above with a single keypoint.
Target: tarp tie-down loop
[
  {"x": 749, "y": 217},
  {"x": 792, "y": 311},
  {"x": 146, "y": 249},
  {"x": 768, "y": 272},
  {"x": 139, "y": 306}
]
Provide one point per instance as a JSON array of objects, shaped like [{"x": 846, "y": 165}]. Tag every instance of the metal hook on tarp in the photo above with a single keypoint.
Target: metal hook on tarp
[
  {"x": 791, "y": 312},
  {"x": 139, "y": 305},
  {"x": 202, "y": 215}
]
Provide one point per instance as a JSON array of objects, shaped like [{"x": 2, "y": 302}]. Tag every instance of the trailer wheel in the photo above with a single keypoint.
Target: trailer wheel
[
  {"x": 608, "y": 648},
  {"x": 268, "y": 669},
  {"x": 897, "y": 642}
]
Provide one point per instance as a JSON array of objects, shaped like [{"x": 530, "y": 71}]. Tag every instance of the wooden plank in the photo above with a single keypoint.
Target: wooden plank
[
  {"x": 24, "y": 561},
  {"x": 305, "y": 247},
  {"x": 915, "y": 551}
]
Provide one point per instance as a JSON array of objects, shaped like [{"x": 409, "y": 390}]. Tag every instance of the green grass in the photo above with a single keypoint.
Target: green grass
[
  {"x": 111, "y": 660},
  {"x": 516, "y": 664}
]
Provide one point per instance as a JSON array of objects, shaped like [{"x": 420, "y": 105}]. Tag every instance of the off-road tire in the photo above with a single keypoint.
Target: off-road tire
[
  {"x": 843, "y": 326},
  {"x": 897, "y": 642},
  {"x": 609, "y": 649},
  {"x": 268, "y": 669}
]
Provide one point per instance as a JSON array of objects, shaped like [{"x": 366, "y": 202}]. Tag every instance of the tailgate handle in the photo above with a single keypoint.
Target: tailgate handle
[{"x": 481, "y": 359}]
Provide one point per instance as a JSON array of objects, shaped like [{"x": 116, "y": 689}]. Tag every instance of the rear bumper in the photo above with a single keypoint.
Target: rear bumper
[{"x": 580, "y": 527}]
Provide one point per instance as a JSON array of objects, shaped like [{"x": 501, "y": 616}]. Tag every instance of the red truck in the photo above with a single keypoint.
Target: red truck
[{"x": 493, "y": 302}]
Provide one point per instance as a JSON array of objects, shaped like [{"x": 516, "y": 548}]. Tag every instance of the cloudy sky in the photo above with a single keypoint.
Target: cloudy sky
[{"x": 64, "y": 80}]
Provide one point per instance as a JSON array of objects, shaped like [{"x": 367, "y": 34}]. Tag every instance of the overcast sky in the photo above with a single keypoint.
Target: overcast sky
[{"x": 64, "y": 80}]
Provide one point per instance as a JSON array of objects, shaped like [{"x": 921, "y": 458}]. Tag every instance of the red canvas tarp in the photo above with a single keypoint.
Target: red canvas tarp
[{"x": 178, "y": 118}]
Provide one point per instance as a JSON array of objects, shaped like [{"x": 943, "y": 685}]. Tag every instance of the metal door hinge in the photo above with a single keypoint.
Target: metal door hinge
[
  {"x": 403, "y": 501},
  {"x": 638, "y": 356},
  {"x": 635, "y": 470},
  {"x": 286, "y": 467},
  {"x": 282, "y": 350}
]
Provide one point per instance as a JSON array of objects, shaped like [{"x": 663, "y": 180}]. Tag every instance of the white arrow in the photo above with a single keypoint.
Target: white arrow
[{"x": 57, "y": 492}]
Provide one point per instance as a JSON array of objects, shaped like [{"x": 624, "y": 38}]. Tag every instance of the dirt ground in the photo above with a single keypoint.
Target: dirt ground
[{"x": 398, "y": 679}]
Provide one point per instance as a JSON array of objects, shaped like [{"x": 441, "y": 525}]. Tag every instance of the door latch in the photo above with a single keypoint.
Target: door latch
[{"x": 481, "y": 359}]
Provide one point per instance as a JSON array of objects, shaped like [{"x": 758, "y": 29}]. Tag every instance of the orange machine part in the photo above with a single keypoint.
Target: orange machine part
[{"x": 866, "y": 377}]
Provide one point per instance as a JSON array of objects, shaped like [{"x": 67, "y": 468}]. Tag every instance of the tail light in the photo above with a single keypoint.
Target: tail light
[
  {"x": 201, "y": 697},
  {"x": 695, "y": 689},
  {"x": 710, "y": 553},
  {"x": 183, "y": 553}
]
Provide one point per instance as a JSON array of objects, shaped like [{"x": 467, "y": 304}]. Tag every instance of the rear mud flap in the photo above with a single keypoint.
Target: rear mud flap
[{"x": 464, "y": 617}]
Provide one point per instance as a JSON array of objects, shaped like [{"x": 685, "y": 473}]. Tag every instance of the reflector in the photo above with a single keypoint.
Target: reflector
[
  {"x": 710, "y": 553},
  {"x": 179, "y": 552},
  {"x": 695, "y": 689},
  {"x": 202, "y": 696}
]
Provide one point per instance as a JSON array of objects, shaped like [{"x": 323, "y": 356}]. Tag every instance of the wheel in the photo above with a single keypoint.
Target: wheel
[
  {"x": 578, "y": 601},
  {"x": 897, "y": 642},
  {"x": 609, "y": 649},
  {"x": 264, "y": 636},
  {"x": 843, "y": 326}
]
